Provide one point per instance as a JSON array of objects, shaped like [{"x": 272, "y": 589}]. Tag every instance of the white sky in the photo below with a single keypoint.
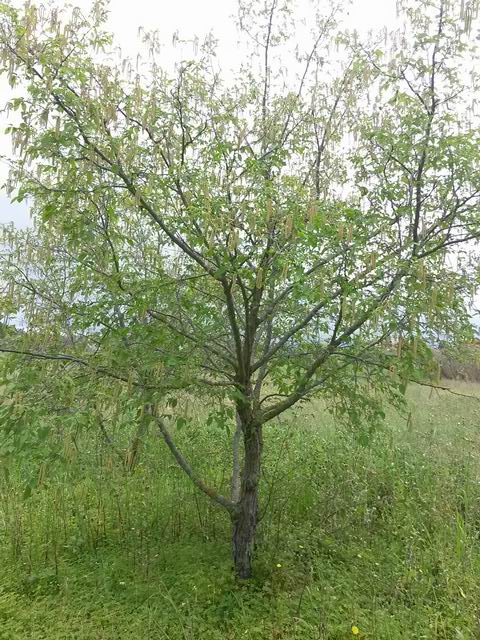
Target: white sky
[{"x": 190, "y": 18}]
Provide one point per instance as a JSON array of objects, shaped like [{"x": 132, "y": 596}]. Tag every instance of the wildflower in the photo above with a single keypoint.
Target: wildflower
[
  {"x": 355, "y": 630},
  {"x": 279, "y": 566}
]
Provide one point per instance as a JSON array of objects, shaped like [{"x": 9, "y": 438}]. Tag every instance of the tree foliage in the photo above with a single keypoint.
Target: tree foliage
[{"x": 254, "y": 240}]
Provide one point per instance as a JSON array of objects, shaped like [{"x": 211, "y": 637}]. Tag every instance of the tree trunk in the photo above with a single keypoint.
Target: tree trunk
[
  {"x": 237, "y": 463},
  {"x": 245, "y": 518},
  {"x": 133, "y": 452}
]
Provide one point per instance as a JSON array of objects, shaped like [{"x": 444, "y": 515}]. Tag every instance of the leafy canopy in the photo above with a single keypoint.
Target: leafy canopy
[{"x": 256, "y": 238}]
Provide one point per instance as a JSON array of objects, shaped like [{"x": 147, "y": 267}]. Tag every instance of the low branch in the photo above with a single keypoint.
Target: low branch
[
  {"x": 198, "y": 482},
  {"x": 63, "y": 357},
  {"x": 421, "y": 383}
]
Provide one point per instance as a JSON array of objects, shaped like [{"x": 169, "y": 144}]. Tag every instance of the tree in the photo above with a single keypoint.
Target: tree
[{"x": 254, "y": 241}]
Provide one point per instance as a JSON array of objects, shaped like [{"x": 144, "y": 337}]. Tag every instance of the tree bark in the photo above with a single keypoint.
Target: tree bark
[
  {"x": 133, "y": 452},
  {"x": 245, "y": 517},
  {"x": 237, "y": 463}
]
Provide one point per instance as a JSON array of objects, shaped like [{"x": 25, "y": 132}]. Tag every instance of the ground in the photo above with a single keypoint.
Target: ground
[{"x": 373, "y": 535}]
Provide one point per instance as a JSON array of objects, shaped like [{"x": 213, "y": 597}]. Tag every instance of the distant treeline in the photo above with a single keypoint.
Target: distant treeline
[{"x": 460, "y": 366}]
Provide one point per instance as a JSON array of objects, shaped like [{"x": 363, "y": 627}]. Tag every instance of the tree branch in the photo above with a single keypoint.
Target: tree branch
[{"x": 197, "y": 481}]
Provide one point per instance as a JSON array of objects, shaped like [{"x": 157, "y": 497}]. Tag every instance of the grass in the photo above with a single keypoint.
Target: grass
[{"x": 383, "y": 537}]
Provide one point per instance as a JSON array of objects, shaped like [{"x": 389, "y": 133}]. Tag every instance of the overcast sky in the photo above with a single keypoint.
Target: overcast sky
[{"x": 190, "y": 17}]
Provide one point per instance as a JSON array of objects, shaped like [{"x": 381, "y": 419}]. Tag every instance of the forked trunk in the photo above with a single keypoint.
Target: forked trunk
[{"x": 246, "y": 516}]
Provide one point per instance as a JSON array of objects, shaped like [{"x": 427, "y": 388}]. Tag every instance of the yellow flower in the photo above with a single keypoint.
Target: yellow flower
[
  {"x": 355, "y": 630},
  {"x": 279, "y": 566}
]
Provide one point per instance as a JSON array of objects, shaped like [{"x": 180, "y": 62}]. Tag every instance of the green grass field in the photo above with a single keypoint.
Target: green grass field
[{"x": 367, "y": 535}]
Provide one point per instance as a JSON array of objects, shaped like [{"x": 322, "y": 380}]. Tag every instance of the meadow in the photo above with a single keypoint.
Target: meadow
[{"x": 363, "y": 534}]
